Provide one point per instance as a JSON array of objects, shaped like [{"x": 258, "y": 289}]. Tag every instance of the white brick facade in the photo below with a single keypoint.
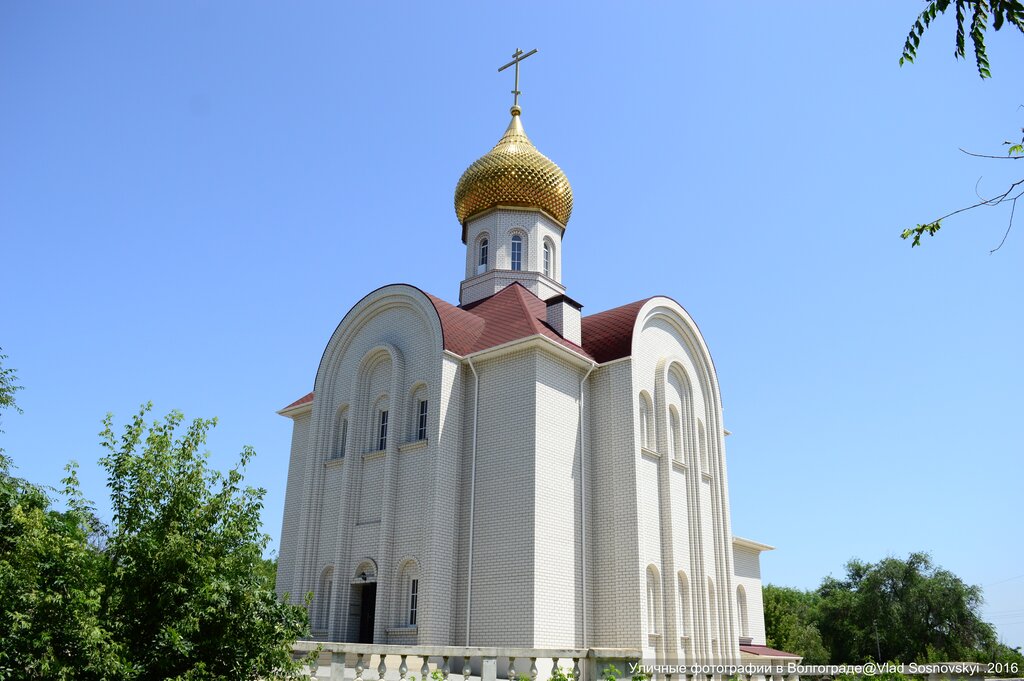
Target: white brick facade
[{"x": 519, "y": 522}]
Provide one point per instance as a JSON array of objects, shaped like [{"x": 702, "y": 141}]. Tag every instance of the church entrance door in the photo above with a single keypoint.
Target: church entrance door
[{"x": 367, "y": 610}]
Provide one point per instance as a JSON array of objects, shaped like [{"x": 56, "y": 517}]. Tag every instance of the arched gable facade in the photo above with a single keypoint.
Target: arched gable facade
[
  {"x": 671, "y": 361},
  {"x": 385, "y": 358}
]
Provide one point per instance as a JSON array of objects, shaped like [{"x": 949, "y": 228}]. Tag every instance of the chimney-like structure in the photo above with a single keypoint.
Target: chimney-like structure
[{"x": 564, "y": 317}]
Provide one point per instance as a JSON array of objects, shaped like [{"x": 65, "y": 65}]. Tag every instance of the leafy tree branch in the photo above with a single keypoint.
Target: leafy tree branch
[
  {"x": 175, "y": 588},
  {"x": 982, "y": 13}
]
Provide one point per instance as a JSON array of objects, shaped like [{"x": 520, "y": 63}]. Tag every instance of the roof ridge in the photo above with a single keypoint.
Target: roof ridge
[
  {"x": 531, "y": 320},
  {"x": 619, "y": 308}
]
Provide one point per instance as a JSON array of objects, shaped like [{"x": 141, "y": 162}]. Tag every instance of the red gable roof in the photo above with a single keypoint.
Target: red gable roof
[
  {"x": 514, "y": 313},
  {"x": 765, "y": 651},
  {"x": 608, "y": 335},
  {"x": 305, "y": 399}
]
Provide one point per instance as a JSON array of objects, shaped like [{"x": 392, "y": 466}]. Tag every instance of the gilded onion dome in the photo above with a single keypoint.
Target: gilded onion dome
[{"x": 514, "y": 173}]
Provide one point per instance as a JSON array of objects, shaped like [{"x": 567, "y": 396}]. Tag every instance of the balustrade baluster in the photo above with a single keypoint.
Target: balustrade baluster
[
  {"x": 359, "y": 667},
  {"x": 382, "y": 668},
  {"x": 533, "y": 669},
  {"x": 445, "y": 669},
  {"x": 466, "y": 669},
  {"x": 425, "y": 669},
  {"x": 554, "y": 667},
  {"x": 576, "y": 668},
  {"x": 511, "y": 669},
  {"x": 337, "y": 666},
  {"x": 403, "y": 669}
]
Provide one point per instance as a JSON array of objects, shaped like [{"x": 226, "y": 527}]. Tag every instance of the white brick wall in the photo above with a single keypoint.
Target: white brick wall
[
  {"x": 748, "y": 573},
  {"x": 411, "y": 502},
  {"x": 616, "y": 591},
  {"x": 558, "y": 611},
  {"x": 503, "y": 549},
  {"x": 292, "y": 523},
  {"x": 499, "y": 226}
]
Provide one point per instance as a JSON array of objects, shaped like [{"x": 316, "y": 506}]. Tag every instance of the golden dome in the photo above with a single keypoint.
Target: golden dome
[{"x": 514, "y": 173}]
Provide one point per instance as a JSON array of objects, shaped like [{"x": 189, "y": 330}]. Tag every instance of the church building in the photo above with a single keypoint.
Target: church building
[{"x": 508, "y": 471}]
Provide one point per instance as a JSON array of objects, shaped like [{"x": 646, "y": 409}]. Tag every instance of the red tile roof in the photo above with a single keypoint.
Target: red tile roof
[
  {"x": 305, "y": 399},
  {"x": 514, "y": 313},
  {"x": 608, "y": 335},
  {"x": 765, "y": 651},
  {"x": 460, "y": 329}
]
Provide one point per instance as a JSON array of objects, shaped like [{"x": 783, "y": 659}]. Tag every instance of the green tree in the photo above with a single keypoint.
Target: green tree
[
  {"x": 906, "y": 610},
  {"x": 791, "y": 623},
  {"x": 982, "y": 13},
  {"x": 49, "y": 589},
  {"x": 8, "y": 388},
  {"x": 268, "y": 566},
  {"x": 49, "y": 577},
  {"x": 894, "y": 610},
  {"x": 187, "y": 592},
  {"x": 176, "y": 588}
]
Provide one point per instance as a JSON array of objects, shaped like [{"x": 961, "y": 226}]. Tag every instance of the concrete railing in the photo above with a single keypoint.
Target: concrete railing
[{"x": 371, "y": 662}]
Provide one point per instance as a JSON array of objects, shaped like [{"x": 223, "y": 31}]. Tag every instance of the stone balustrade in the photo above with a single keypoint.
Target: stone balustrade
[{"x": 372, "y": 662}]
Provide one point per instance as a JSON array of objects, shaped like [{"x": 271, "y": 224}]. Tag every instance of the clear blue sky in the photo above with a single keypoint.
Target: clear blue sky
[{"x": 192, "y": 195}]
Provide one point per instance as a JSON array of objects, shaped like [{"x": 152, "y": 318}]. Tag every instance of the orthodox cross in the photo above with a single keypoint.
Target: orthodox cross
[{"x": 517, "y": 57}]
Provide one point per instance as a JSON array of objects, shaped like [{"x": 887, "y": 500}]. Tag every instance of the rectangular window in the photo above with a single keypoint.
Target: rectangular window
[
  {"x": 382, "y": 436},
  {"x": 421, "y": 423},
  {"x": 343, "y": 438},
  {"x": 414, "y": 597},
  {"x": 517, "y": 253}
]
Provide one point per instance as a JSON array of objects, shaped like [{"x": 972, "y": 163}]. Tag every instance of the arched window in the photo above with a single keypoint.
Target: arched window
[
  {"x": 646, "y": 426},
  {"x": 414, "y": 600},
  {"x": 741, "y": 608},
  {"x": 675, "y": 434},
  {"x": 481, "y": 264},
  {"x": 419, "y": 408},
  {"x": 382, "y": 434},
  {"x": 379, "y": 428},
  {"x": 702, "y": 443},
  {"x": 340, "y": 434},
  {"x": 517, "y": 253},
  {"x": 409, "y": 582},
  {"x": 547, "y": 258},
  {"x": 684, "y": 604},
  {"x": 653, "y": 600},
  {"x": 323, "y": 606}
]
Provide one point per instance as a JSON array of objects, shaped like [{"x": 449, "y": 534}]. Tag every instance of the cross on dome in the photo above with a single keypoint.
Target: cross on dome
[{"x": 517, "y": 57}]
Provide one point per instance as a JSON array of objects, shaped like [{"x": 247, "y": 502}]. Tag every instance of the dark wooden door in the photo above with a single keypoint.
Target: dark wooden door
[{"x": 366, "y": 612}]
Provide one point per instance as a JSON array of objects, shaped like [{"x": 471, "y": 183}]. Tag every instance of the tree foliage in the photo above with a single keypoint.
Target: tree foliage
[
  {"x": 49, "y": 588},
  {"x": 894, "y": 610},
  {"x": 8, "y": 387},
  {"x": 999, "y": 12},
  {"x": 176, "y": 587},
  {"x": 907, "y": 610},
  {"x": 188, "y": 592},
  {"x": 790, "y": 619},
  {"x": 982, "y": 13}
]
